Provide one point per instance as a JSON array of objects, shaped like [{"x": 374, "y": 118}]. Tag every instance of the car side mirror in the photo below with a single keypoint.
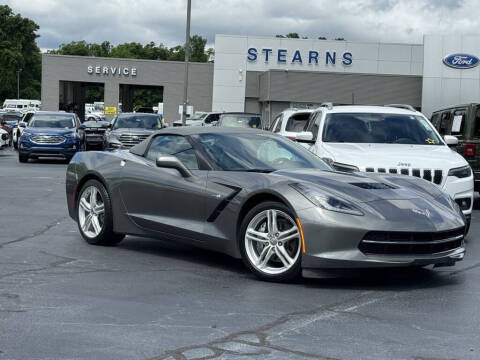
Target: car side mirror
[
  {"x": 106, "y": 126},
  {"x": 451, "y": 140},
  {"x": 305, "y": 137},
  {"x": 82, "y": 127},
  {"x": 172, "y": 162},
  {"x": 22, "y": 125}
]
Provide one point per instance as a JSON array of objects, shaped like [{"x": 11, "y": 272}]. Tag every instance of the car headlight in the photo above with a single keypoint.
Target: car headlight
[
  {"x": 461, "y": 172},
  {"x": 326, "y": 201},
  {"x": 26, "y": 133},
  {"x": 71, "y": 135}
]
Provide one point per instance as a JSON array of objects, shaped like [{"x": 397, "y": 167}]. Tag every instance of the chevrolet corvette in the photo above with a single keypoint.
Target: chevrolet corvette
[{"x": 258, "y": 196}]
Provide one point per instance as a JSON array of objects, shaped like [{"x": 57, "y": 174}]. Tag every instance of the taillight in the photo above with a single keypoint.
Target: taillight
[
  {"x": 469, "y": 150},
  {"x": 293, "y": 138}
]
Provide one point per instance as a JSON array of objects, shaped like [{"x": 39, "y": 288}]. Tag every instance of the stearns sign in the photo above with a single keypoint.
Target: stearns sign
[
  {"x": 284, "y": 56},
  {"x": 111, "y": 70}
]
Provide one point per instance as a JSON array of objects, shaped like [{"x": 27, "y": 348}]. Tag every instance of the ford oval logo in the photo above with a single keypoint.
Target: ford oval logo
[{"x": 461, "y": 61}]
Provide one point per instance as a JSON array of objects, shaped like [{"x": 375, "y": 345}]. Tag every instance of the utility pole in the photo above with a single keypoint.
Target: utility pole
[
  {"x": 187, "y": 58},
  {"x": 18, "y": 83}
]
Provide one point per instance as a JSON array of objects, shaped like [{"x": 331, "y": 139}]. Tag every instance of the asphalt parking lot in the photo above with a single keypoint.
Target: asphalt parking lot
[{"x": 63, "y": 299}]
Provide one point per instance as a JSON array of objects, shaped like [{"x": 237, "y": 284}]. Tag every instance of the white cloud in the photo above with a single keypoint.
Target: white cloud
[{"x": 164, "y": 21}]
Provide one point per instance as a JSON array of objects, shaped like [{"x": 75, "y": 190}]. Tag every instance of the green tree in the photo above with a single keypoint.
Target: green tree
[{"x": 18, "y": 50}]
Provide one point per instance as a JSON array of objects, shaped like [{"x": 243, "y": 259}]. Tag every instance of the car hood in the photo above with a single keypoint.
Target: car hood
[
  {"x": 127, "y": 131},
  {"x": 394, "y": 155},
  {"x": 405, "y": 201},
  {"x": 359, "y": 187},
  {"x": 50, "y": 131}
]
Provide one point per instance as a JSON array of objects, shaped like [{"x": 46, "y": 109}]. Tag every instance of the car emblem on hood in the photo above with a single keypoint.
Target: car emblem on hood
[{"x": 425, "y": 212}]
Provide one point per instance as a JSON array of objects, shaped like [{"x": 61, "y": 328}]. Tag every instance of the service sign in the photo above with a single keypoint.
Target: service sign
[{"x": 461, "y": 61}]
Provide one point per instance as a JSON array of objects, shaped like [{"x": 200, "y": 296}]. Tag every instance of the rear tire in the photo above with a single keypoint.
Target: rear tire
[
  {"x": 95, "y": 215},
  {"x": 22, "y": 158},
  {"x": 270, "y": 242}
]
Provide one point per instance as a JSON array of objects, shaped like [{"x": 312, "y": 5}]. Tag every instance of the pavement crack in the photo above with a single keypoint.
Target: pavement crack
[
  {"x": 235, "y": 343},
  {"x": 36, "y": 233}
]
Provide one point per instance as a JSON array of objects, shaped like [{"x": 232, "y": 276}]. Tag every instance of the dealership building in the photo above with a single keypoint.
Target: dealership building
[{"x": 266, "y": 75}]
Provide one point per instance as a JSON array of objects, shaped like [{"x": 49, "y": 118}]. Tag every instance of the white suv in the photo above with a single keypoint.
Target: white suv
[
  {"x": 389, "y": 140},
  {"x": 290, "y": 122}
]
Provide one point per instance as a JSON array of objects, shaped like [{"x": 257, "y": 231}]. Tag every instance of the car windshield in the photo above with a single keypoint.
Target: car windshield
[
  {"x": 198, "y": 116},
  {"x": 137, "y": 121},
  {"x": 257, "y": 152},
  {"x": 12, "y": 117},
  {"x": 242, "y": 121},
  {"x": 379, "y": 128},
  {"x": 63, "y": 121}
]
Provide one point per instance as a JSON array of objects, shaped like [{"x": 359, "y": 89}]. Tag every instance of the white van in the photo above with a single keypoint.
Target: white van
[
  {"x": 21, "y": 104},
  {"x": 389, "y": 140}
]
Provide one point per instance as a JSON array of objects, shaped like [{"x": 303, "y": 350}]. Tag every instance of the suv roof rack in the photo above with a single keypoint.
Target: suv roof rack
[{"x": 401, "y": 106}]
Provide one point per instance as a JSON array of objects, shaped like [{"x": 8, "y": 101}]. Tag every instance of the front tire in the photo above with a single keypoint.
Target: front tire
[
  {"x": 95, "y": 215},
  {"x": 270, "y": 242},
  {"x": 22, "y": 158}
]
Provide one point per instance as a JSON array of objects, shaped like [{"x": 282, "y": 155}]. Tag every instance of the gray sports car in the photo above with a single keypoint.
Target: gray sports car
[{"x": 263, "y": 198}]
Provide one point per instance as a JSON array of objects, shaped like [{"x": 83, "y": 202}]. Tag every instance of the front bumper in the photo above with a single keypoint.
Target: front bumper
[
  {"x": 65, "y": 150},
  {"x": 332, "y": 242}
]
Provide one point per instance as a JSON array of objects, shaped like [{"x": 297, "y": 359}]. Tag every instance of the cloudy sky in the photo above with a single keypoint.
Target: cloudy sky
[{"x": 163, "y": 21}]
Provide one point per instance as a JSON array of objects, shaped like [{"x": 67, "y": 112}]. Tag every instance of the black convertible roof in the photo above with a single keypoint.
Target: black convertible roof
[{"x": 194, "y": 130}]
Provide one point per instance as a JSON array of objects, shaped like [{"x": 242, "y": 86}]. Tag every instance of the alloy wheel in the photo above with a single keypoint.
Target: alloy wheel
[
  {"x": 91, "y": 212},
  {"x": 272, "y": 242}
]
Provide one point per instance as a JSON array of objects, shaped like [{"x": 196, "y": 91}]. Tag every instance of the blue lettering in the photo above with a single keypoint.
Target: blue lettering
[
  {"x": 313, "y": 56},
  {"x": 252, "y": 54},
  {"x": 297, "y": 57},
  {"x": 282, "y": 56},
  {"x": 347, "y": 58},
  {"x": 266, "y": 52},
  {"x": 330, "y": 58}
]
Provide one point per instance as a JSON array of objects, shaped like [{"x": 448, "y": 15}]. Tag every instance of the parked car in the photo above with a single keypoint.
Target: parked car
[
  {"x": 463, "y": 122},
  {"x": 4, "y": 138},
  {"x": 239, "y": 119},
  {"x": 263, "y": 198},
  {"x": 389, "y": 140},
  {"x": 94, "y": 133},
  {"x": 129, "y": 129},
  {"x": 17, "y": 130},
  {"x": 290, "y": 122},
  {"x": 200, "y": 119},
  {"x": 10, "y": 120},
  {"x": 50, "y": 134}
]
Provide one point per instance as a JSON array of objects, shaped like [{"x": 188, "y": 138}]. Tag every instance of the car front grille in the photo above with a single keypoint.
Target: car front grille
[
  {"x": 47, "y": 139},
  {"x": 129, "y": 140},
  {"x": 411, "y": 243},
  {"x": 432, "y": 175}
]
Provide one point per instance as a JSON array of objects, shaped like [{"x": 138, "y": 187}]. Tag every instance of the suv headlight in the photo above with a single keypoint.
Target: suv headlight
[
  {"x": 26, "y": 133},
  {"x": 326, "y": 201},
  {"x": 461, "y": 172}
]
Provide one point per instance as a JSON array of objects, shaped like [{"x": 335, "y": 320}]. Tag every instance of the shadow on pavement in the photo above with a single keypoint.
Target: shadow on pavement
[{"x": 398, "y": 279}]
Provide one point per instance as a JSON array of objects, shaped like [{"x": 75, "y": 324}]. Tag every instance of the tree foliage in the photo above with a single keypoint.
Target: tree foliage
[
  {"x": 18, "y": 50},
  {"x": 135, "y": 50}
]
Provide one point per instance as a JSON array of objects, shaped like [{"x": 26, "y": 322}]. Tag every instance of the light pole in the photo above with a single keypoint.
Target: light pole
[
  {"x": 18, "y": 83},
  {"x": 187, "y": 57}
]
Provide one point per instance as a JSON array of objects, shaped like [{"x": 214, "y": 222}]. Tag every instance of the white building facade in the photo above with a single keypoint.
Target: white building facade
[{"x": 264, "y": 74}]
